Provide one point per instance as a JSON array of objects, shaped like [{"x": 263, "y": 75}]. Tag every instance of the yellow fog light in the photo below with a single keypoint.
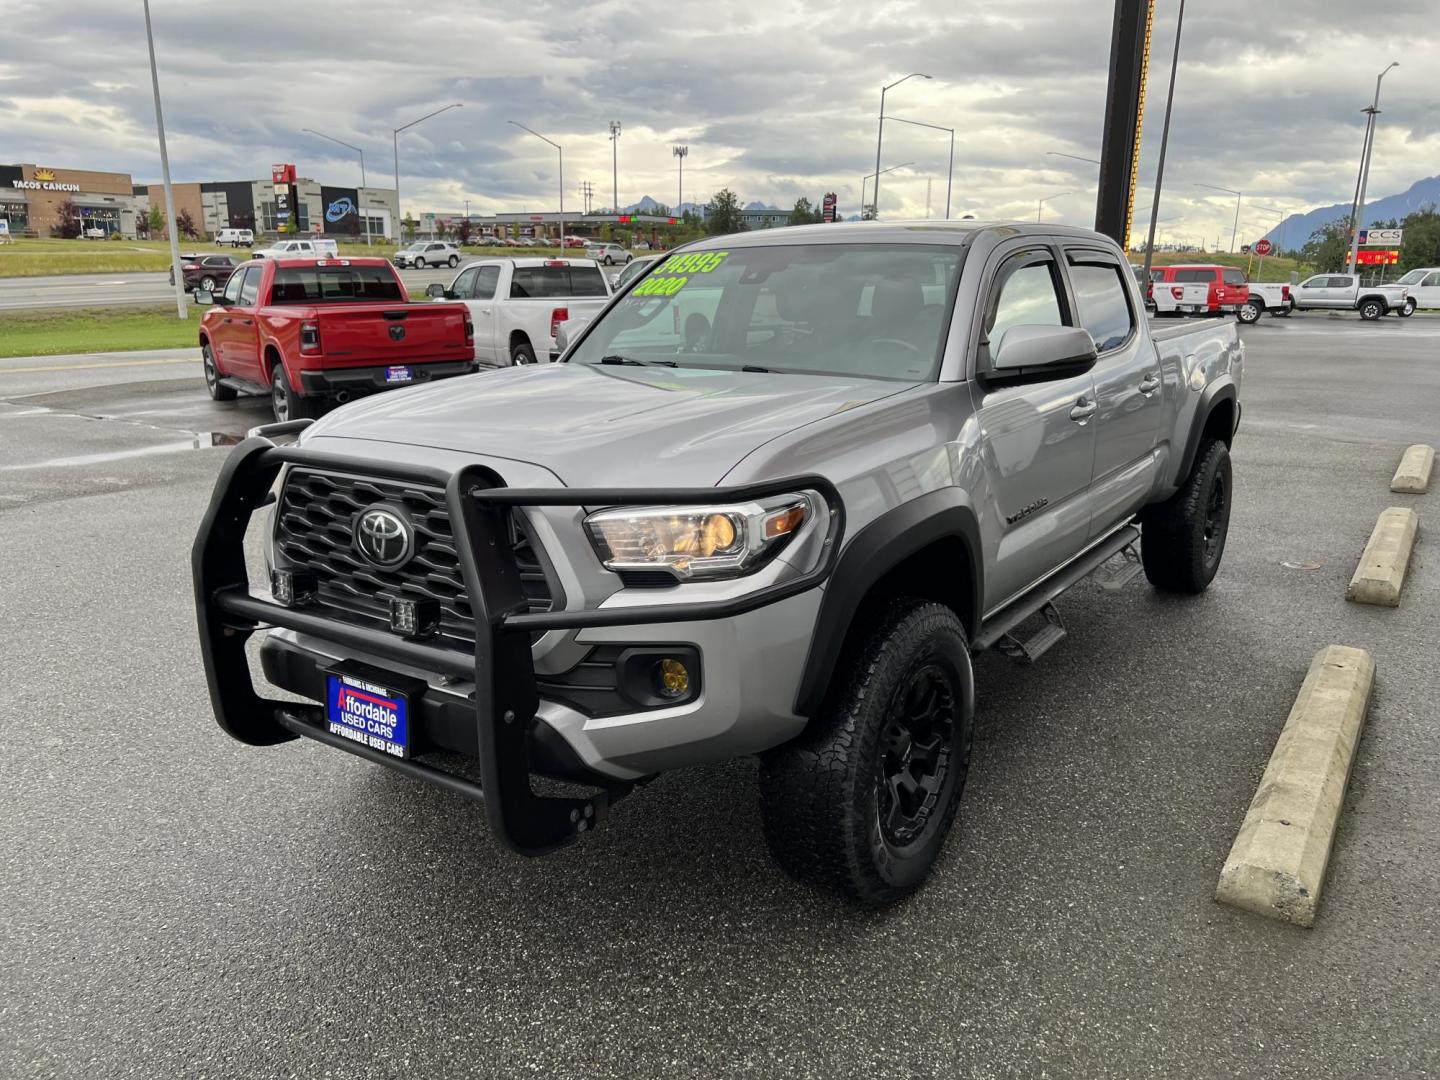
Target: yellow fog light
[{"x": 673, "y": 678}]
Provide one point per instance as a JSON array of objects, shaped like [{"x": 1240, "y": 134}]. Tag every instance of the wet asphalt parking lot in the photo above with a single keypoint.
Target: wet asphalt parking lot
[{"x": 176, "y": 904}]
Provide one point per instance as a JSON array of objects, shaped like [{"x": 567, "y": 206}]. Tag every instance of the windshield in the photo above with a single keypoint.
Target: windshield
[
  {"x": 1414, "y": 277},
  {"x": 419, "y": 245},
  {"x": 874, "y": 310}
]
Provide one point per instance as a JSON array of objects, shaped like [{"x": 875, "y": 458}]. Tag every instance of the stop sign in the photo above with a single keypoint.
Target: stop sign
[{"x": 1262, "y": 247}]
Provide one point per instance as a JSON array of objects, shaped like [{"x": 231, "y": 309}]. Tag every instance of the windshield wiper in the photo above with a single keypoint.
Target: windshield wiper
[
  {"x": 756, "y": 368},
  {"x": 631, "y": 361}
]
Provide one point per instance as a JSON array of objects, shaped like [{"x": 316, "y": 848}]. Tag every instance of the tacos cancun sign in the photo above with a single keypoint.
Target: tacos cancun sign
[{"x": 45, "y": 185}]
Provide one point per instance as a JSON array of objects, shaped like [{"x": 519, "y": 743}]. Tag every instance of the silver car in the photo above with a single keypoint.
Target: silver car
[
  {"x": 608, "y": 254},
  {"x": 428, "y": 253}
]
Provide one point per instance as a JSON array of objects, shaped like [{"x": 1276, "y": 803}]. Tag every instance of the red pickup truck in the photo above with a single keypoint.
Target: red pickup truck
[
  {"x": 313, "y": 332},
  {"x": 1226, "y": 288}
]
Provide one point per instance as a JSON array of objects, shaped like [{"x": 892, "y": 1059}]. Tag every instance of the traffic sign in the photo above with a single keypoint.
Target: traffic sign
[{"x": 1263, "y": 247}]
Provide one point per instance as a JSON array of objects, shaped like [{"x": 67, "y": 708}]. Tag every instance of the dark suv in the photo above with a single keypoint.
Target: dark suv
[{"x": 209, "y": 272}]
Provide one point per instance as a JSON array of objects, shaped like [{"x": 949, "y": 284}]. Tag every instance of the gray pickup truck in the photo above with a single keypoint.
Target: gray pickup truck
[{"x": 771, "y": 502}]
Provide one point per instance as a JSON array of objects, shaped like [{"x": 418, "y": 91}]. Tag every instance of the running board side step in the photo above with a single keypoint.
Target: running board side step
[{"x": 1000, "y": 625}]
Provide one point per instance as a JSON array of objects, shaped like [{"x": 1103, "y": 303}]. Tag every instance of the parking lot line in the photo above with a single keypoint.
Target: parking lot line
[
  {"x": 1276, "y": 866},
  {"x": 86, "y": 367}
]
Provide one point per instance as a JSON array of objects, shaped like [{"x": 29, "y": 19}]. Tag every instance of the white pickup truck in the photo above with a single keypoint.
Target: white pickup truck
[
  {"x": 518, "y": 305},
  {"x": 1343, "y": 292}
]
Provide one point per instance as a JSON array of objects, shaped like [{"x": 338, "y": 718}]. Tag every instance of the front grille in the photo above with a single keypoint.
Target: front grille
[{"x": 314, "y": 533}]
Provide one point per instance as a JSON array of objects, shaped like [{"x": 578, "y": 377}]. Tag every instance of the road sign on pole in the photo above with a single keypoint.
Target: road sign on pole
[{"x": 1263, "y": 247}]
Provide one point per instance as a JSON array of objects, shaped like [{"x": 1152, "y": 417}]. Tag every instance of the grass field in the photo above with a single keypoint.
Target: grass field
[
  {"x": 41, "y": 258},
  {"x": 48, "y": 333},
  {"x": 1275, "y": 269}
]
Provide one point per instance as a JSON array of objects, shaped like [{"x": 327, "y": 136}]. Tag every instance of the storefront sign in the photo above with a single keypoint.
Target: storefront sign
[{"x": 45, "y": 185}]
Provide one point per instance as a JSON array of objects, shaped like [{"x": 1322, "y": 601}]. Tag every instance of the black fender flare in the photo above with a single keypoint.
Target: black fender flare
[
  {"x": 1220, "y": 390},
  {"x": 872, "y": 553}
]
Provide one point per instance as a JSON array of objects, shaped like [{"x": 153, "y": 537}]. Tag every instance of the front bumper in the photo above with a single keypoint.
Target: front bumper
[
  {"x": 362, "y": 380},
  {"x": 503, "y": 701}
]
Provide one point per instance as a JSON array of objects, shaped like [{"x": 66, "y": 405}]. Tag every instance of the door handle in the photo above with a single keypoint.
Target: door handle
[
  {"x": 484, "y": 311},
  {"x": 1084, "y": 409},
  {"x": 1149, "y": 384},
  {"x": 227, "y": 319}
]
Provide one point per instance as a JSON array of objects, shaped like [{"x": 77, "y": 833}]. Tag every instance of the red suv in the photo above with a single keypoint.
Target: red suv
[{"x": 1228, "y": 289}]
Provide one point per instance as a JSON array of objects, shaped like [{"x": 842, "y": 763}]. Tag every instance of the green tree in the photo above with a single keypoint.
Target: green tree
[
  {"x": 805, "y": 213},
  {"x": 462, "y": 232},
  {"x": 439, "y": 229},
  {"x": 723, "y": 213},
  {"x": 407, "y": 228},
  {"x": 1422, "y": 240},
  {"x": 1328, "y": 248},
  {"x": 156, "y": 221}
]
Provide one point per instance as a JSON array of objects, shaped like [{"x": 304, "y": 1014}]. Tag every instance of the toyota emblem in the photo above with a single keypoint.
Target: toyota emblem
[
  {"x": 397, "y": 333},
  {"x": 383, "y": 537}
]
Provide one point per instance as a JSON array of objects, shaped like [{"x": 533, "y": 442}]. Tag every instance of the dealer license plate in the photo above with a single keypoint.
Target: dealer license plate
[
  {"x": 369, "y": 714},
  {"x": 403, "y": 373}
]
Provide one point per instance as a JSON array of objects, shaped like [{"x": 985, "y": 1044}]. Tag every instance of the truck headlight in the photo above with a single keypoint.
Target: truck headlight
[{"x": 697, "y": 541}]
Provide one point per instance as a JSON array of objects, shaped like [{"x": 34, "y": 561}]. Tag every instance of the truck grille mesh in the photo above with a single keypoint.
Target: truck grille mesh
[{"x": 313, "y": 532}]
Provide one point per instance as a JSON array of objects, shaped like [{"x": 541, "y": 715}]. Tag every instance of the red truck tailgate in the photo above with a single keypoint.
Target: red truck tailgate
[{"x": 381, "y": 333}]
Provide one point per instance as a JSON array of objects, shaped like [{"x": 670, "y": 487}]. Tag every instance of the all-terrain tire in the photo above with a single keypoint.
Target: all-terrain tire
[
  {"x": 1183, "y": 539},
  {"x": 1371, "y": 309},
  {"x": 862, "y": 802}
]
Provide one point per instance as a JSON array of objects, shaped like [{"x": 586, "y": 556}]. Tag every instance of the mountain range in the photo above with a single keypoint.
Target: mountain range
[
  {"x": 647, "y": 205},
  {"x": 1296, "y": 229}
]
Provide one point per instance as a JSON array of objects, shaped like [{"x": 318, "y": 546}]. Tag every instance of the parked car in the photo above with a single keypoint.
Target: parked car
[
  {"x": 1422, "y": 286},
  {"x": 1262, "y": 298},
  {"x": 314, "y": 332},
  {"x": 608, "y": 254},
  {"x": 634, "y": 269},
  {"x": 892, "y": 447},
  {"x": 1225, "y": 289},
  {"x": 424, "y": 253},
  {"x": 518, "y": 305},
  {"x": 313, "y": 248},
  {"x": 235, "y": 237},
  {"x": 1343, "y": 292},
  {"x": 208, "y": 272}
]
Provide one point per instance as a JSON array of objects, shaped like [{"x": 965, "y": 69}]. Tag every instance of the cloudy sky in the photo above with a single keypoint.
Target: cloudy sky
[{"x": 775, "y": 99}]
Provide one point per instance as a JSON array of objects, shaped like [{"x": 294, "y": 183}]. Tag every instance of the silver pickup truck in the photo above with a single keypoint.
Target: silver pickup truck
[{"x": 772, "y": 501}]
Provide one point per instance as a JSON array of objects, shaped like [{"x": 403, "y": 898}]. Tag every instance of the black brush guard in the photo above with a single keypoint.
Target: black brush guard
[{"x": 505, "y": 696}]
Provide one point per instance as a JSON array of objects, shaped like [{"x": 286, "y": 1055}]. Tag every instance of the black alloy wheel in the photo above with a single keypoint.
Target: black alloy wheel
[{"x": 915, "y": 754}]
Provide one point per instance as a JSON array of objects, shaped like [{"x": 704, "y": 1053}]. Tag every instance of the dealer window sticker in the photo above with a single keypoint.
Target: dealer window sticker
[{"x": 671, "y": 276}]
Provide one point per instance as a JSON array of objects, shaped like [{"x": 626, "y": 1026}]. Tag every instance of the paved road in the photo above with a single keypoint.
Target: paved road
[
  {"x": 124, "y": 290},
  {"x": 179, "y": 905}
]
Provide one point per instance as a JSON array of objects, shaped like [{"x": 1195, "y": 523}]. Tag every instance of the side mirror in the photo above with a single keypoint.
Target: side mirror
[
  {"x": 435, "y": 291},
  {"x": 1023, "y": 347},
  {"x": 204, "y": 297}
]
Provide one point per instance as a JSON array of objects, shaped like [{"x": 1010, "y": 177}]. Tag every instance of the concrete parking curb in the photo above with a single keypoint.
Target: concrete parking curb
[
  {"x": 1381, "y": 571},
  {"x": 1413, "y": 475},
  {"x": 1276, "y": 866}
]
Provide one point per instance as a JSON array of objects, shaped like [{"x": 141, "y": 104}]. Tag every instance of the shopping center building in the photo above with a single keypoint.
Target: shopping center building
[{"x": 33, "y": 200}]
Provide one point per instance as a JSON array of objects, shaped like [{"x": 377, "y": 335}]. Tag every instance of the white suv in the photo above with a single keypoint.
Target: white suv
[{"x": 428, "y": 253}]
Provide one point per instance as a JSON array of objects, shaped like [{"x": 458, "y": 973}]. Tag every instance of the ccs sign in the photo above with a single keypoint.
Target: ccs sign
[{"x": 1381, "y": 236}]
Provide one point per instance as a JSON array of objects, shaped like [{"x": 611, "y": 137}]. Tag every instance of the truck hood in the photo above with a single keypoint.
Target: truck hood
[{"x": 595, "y": 426}]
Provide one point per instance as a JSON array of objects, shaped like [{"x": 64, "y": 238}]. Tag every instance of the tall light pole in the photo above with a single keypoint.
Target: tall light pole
[
  {"x": 880, "y": 135},
  {"x": 681, "y": 153},
  {"x": 950, "y": 176},
  {"x": 357, "y": 149},
  {"x": 165, "y": 175},
  {"x": 1235, "y": 228},
  {"x": 1074, "y": 157},
  {"x": 561, "y": 152},
  {"x": 395, "y": 140},
  {"x": 1164, "y": 143},
  {"x": 615, "y": 161},
  {"x": 869, "y": 176},
  {"x": 1359, "y": 215},
  {"x": 1040, "y": 206}
]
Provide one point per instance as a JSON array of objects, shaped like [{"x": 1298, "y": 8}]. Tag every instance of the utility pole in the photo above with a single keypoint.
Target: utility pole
[
  {"x": 615, "y": 160},
  {"x": 165, "y": 175},
  {"x": 680, "y": 152},
  {"x": 1359, "y": 216},
  {"x": 1164, "y": 143}
]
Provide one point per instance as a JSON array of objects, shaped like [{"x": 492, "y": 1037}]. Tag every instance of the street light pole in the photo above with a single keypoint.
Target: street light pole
[
  {"x": 357, "y": 149},
  {"x": 1040, "y": 206},
  {"x": 880, "y": 135},
  {"x": 951, "y": 175},
  {"x": 561, "y": 152},
  {"x": 680, "y": 152},
  {"x": 615, "y": 161},
  {"x": 1235, "y": 228},
  {"x": 395, "y": 142},
  {"x": 1359, "y": 215},
  {"x": 1164, "y": 144},
  {"x": 165, "y": 174},
  {"x": 869, "y": 176}
]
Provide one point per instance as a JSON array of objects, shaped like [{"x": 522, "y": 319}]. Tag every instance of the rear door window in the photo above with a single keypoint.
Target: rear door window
[
  {"x": 1104, "y": 306},
  {"x": 1234, "y": 277}
]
